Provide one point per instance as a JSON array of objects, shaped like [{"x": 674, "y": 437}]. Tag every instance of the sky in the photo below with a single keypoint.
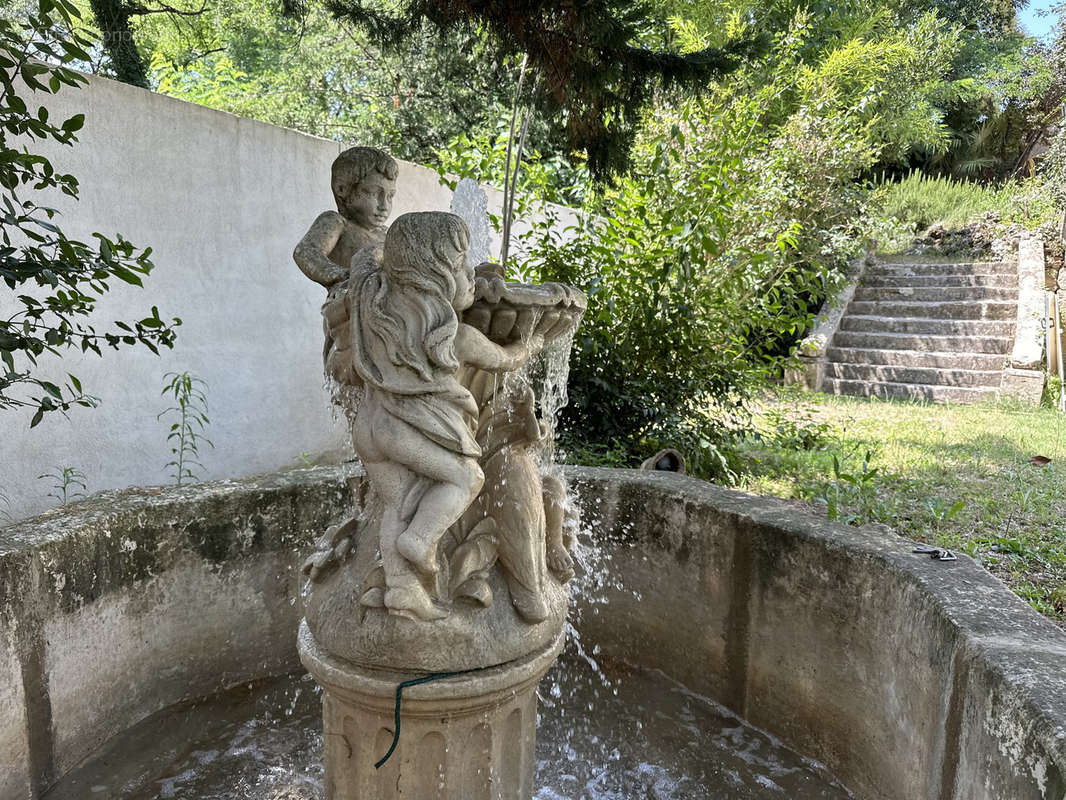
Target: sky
[{"x": 1032, "y": 22}]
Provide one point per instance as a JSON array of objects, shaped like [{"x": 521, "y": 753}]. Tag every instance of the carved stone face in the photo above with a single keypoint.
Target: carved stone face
[
  {"x": 369, "y": 202},
  {"x": 464, "y": 284}
]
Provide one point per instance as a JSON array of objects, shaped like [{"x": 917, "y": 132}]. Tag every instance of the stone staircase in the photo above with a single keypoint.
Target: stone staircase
[{"x": 940, "y": 332}]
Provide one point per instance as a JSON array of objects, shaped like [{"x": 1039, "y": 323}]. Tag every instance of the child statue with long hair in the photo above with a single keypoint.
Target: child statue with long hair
[{"x": 414, "y": 427}]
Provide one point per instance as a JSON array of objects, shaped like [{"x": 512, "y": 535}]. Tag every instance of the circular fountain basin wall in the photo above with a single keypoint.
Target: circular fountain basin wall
[{"x": 909, "y": 678}]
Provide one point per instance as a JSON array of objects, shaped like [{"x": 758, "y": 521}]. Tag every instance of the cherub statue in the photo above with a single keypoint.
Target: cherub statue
[
  {"x": 364, "y": 184},
  {"x": 414, "y": 428}
]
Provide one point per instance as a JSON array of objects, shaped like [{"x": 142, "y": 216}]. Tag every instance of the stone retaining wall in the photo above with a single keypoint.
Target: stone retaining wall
[{"x": 908, "y": 678}]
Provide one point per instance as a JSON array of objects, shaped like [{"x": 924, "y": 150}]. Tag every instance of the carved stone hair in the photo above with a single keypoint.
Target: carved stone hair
[
  {"x": 419, "y": 245},
  {"x": 355, "y": 163},
  {"x": 420, "y": 254}
]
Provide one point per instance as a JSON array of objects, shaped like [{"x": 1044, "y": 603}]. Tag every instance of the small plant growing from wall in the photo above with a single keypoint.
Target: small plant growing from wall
[
  {"x": 66, "y": 481},
  {"x": 186, "y": 433}
]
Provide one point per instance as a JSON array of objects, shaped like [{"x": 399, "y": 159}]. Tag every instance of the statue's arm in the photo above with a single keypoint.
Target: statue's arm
[
  {"x": 312, "y": 253},
  {"x": 475, "y": 348}
]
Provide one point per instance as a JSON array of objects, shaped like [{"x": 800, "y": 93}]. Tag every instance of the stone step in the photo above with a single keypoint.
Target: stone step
[
  {"x": 927, "y": 344},
  {"x": 934, "y": 327},
  {"x": 951, "y": 309},
  {"x": 935, "y": 293},
  {"x": 1006, "y": 280},
  {"x": 946, "y": 268},
  {"x": 915, "y": 358},
  {"x": 910, "y": 391},
  {"x": 880, "y": 373}
]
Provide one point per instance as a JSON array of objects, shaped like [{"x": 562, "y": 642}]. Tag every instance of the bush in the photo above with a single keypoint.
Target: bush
[
  {"x": 54, "y": 281},
  {"x": 707, "y": 262},
  {"x": 723, "y": 241}
]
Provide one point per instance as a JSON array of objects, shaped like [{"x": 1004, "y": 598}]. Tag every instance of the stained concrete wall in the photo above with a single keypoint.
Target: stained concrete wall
[
  {"x": 132, "y": 601},
  {"x": 222, "y": 201},
  {"x": 909, "y": 678}
]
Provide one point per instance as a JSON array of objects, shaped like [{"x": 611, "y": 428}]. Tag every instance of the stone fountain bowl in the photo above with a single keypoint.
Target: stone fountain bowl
[
  {"x": 907, "y": 677},
  {"x": 509, "y": 312}
]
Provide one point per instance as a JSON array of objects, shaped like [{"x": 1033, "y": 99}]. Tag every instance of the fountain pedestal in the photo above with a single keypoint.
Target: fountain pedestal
[{"x": 466, "y": 737}]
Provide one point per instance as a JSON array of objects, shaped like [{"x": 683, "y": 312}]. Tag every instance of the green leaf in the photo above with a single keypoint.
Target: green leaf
[{"x": 75, "y": 123}]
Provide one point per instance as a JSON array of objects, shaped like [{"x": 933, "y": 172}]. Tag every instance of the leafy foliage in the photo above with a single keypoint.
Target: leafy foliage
[
  {"x": 66, "y": 483},
  {"x": 598, "y": 64},
  {"x": 186, "y": 434},
  {"x": 705, "y": 263},
  {"x": 1053, "y": 165},
  {"x": 113, "y": 18},
  {"x": 1000, "y": 106},
  {"x": 325, "y": 77},
  {"x": 543, "y": 178},
  {"x": 55, "y": 281}
]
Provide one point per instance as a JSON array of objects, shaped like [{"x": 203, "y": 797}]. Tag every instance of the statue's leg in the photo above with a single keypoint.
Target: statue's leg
[
  {"x": 395, "y": 485},
  {"x": 456, "y": 481},
  {"x": 405, "y": 593},
  {"x": 559, "y": 561}
]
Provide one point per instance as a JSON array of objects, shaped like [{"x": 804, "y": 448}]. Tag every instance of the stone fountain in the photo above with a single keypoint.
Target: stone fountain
[{"x": 433, "y": 613}]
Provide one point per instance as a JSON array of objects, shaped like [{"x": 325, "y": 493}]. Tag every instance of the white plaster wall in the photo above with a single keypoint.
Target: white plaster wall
[{"x": 222, "y": 201}]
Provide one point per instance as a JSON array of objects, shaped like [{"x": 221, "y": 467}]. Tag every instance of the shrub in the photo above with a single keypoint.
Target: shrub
[
  {"x": 54, "y": 281},
  {"x": 723, "y": 241}
]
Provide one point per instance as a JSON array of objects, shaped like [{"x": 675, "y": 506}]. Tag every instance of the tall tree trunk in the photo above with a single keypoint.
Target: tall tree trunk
[{"x": 113, "y": 19}]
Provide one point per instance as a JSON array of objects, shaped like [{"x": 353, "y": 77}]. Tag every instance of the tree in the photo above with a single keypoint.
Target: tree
[
  {"x": 113, "y": 18},
  {"x": 710, "y": 258},
  {"x": 596, "y": 65},
  {"x": 324, "y": 77},
  {"x": 54, "y": 280}
]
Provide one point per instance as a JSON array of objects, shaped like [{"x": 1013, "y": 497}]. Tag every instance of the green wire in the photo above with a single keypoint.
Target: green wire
[{"x": 436, "y": 676}]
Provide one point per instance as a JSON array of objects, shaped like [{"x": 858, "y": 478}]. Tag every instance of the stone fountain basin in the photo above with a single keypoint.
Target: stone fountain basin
[{"x": 909, "y": 678}]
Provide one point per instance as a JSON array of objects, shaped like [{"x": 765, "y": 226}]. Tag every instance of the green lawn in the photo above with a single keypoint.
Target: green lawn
[{"x": 954, "y": 476}]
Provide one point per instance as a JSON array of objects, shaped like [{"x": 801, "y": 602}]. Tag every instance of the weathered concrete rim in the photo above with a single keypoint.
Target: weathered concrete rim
[
  {"x": 986, "y": 719},
  {"x": 767, "y": 609},
  {"x": 1011, "y": 616}
]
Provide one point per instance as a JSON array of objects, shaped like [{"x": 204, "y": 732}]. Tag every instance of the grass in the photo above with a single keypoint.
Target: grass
[
  {"x": 919, "y": 200},
  {"x": 953, "y": 476}
]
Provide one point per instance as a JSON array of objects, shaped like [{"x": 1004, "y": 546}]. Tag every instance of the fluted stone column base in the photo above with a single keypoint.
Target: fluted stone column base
[{"x": 468, "y": 737}]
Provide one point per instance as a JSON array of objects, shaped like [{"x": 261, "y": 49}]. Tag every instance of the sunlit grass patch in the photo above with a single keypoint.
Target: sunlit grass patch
[{"x": 954, "y": 476}]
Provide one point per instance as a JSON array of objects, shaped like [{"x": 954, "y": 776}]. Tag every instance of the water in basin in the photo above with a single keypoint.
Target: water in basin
[{"x": 607, "y": 731}]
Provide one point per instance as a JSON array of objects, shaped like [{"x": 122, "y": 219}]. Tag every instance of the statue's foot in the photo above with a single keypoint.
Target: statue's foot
[
  {"x": 421, "y": 552},
  {"x": 529, "y": 605},
  {"x": 477, "y": 589},
  {"x": 414, "y": 603},
  {"x": 560, "y": 563},
  {"x": 373, "y": 598}
]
